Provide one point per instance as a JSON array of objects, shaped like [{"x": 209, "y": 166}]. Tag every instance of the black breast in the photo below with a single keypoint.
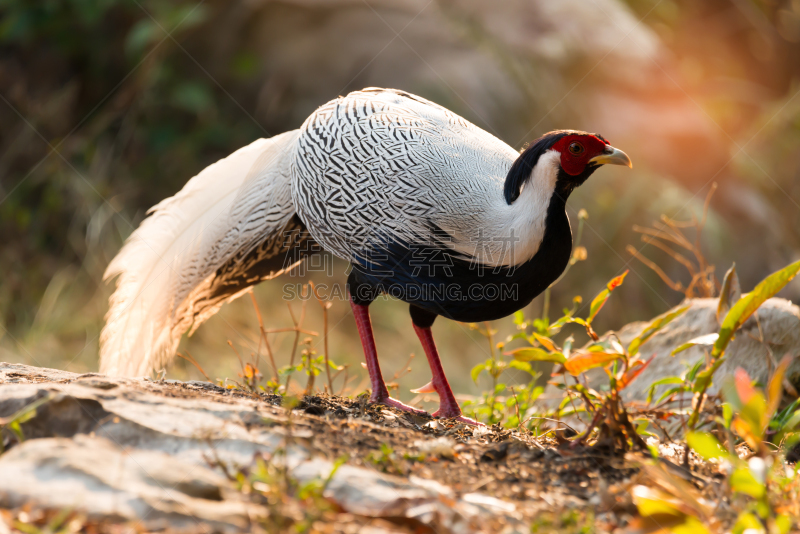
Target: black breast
[{"x": 431, "y": 278}]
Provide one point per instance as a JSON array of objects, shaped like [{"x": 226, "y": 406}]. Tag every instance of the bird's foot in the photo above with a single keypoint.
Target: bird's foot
[
  {"x": 388, "y": 401},
  {"x": 455, "y": 414}
]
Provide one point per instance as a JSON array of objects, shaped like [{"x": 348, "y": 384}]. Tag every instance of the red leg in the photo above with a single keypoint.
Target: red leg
[
  {"x": 448, "y": 406},
  {"x": 380, "y": 395}
]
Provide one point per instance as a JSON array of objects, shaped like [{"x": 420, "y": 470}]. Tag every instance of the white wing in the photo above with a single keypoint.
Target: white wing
[
  {"x": 170, "y": 270},
  {"x": 384, "y": 165}
]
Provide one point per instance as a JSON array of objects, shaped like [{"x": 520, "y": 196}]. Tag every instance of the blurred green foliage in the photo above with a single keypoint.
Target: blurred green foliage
[
  {"x": 109, "y": 106},
  {"x": 105, "y": 110}
]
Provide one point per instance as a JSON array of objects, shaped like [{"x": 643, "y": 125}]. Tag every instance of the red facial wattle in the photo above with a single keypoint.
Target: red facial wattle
[{"x": 576, "y": 151}]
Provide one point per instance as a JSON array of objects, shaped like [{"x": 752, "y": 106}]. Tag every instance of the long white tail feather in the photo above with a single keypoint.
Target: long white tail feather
[{"x": 227, "y": 210}]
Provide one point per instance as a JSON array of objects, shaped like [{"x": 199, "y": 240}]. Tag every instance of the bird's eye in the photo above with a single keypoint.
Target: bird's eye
[{"x": 575, "y": 148}]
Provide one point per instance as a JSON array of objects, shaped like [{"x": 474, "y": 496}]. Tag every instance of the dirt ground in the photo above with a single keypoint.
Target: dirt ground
[{"x": 553, "y": 485}]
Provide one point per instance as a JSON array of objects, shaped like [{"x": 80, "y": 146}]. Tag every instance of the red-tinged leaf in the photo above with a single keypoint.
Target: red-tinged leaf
[
  {"x": 601, "y": 298},
  {"x": 631, "y": 374},
  {"x": 581, "y": 362},
  {"x": 617, "y": 281},
  {"x": 250, "y": 371},
  {"x": 744, "y": 386},
  {"x": 546, "y": 342}
]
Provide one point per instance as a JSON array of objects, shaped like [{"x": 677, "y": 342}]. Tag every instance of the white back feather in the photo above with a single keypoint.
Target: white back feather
[{"x": 227, "y": 209}]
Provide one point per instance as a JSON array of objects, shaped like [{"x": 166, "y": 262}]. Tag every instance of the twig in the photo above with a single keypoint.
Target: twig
[
  {"x": 516, "y": 408},
  {"x": 706, "y": 204},
  {"x": 190, "y": 359},
  {"x": 655, "y": 232},
  {"x": 558, "y": 421},
  {"x": 677, "y": 256},
  {"x": 325, "y": 306},
  {"x": 405, "y": 369},
  {"x": 241, "y": 362},
  {"x": 662, "y": 429},
  {"x": 677, "y": 286},
  {"x": 266, "y": 341},
  {"x": 292, "y": 329},
  {"x": 297, "y": 326}
]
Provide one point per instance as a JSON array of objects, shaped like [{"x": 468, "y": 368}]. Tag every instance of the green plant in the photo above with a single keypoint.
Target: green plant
[
  {"x": 623, "y": 365},
  {"x": 767, "y": 485},
  {"x": 14, "y": 422},
  {"x": 493, "y": 407},
  {"x": 519, "y": 409},
  {"x": 568, "y": 521},
  {"x": 311, "y": 364},
  {"x": 385, "y": 460},
  {"x": 734, "y": 314},
  {"x": 291, "y": 506}
]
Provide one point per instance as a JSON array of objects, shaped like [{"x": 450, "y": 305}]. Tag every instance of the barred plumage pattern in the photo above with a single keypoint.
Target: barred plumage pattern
[
  {"x": 383, "y": 165},
  {"x": 375, "y": 166}
]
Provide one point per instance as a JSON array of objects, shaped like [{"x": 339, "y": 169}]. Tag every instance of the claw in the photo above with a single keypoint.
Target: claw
[
  {"x": 427, "y": 388},
  {"x": 388, "y": 401}
]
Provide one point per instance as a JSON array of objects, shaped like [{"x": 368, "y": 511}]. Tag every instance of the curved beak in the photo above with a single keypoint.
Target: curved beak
[{"x": 612, "y": 156}]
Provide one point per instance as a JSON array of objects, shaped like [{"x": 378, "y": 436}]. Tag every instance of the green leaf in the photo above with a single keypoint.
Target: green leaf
[
  {"x": 692, "y": 374},
  {"x": 670, "y": 391},
  {"x": 729, "y": 294},
  {"x": 784, "y": 523},
  {"x": 706, "y": 445},
  {"x": 522, "y": 366},
  {"x": 476, "y": 371},
  {"x": 791, "y": 422},
  {"x": 668, "y": 380},
  {"x": 140, "y": 36},
  {"x": 566, "y": 319},
  {"x": 703, "y": 341},
  {"x": 702, "y": 380},
  {"x": 602, "y": 297},
  {"x": 748, "y": 304},
  {"x": 747, "y": 521},
  {"x": 743, "y": 481},
  {"x": 655, "y": 325},
  {"x": 530, "y": 354}
]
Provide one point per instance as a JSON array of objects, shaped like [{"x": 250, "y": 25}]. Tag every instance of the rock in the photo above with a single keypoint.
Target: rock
[
  {"x": 96, "y": 475},
  {"x": 136, "y": 413},
  {"x": 150, "y": 452}
]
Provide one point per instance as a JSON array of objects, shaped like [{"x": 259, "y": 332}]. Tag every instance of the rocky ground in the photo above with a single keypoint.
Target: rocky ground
[
  {"x": 100, "y": 454},
  {"x": 108, "y": 454}
]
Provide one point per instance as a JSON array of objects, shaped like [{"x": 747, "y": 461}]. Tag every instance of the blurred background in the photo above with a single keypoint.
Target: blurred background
[{"x": 109, "y": 106}]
